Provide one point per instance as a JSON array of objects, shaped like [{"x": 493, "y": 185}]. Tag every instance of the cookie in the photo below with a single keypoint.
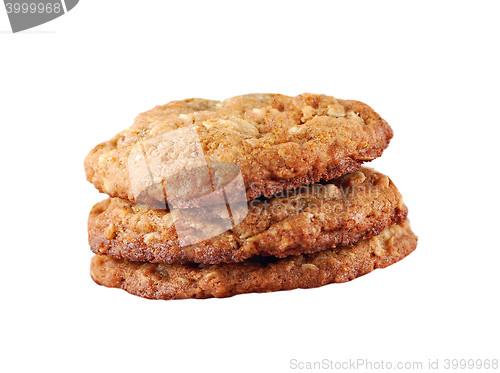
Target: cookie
[
  {"x": 304, "y": 220},
  {"x": 181, "y": 281},
  {"x": 276, "y": 143}
]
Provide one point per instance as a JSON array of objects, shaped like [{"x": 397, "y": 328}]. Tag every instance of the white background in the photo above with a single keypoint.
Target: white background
[{"x": 430, "y": 69}]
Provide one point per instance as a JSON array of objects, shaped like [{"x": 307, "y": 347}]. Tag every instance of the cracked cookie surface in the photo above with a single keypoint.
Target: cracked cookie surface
[
  {"x": 278, "y": 142},
  {"x": 305, "y": 220},
  {"x": 178, "y": 281}
]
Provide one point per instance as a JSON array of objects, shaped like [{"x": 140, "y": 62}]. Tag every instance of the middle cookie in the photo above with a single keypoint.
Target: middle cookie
[{"x": 301, "y": 221}]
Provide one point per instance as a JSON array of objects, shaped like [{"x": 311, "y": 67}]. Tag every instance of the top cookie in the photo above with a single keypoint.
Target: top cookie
[{"x": 277, "y": 142}]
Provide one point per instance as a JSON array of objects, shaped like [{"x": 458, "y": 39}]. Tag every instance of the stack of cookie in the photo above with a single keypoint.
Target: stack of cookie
[{"x": 256, "y": 193}]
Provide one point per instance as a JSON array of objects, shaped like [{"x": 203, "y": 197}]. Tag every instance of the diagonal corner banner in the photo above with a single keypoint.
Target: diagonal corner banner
[{"x": 26, "y": 14}]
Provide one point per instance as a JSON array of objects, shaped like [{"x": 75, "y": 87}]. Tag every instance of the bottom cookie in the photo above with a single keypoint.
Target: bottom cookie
[{"x": 258, "y": 275}]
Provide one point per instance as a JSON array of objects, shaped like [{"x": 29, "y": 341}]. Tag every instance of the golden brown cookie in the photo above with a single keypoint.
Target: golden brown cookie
[
  {"x": 181, "y": 281},
  {"x": 305, "y": 220},
  {"x": 278, "y": 142}
]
